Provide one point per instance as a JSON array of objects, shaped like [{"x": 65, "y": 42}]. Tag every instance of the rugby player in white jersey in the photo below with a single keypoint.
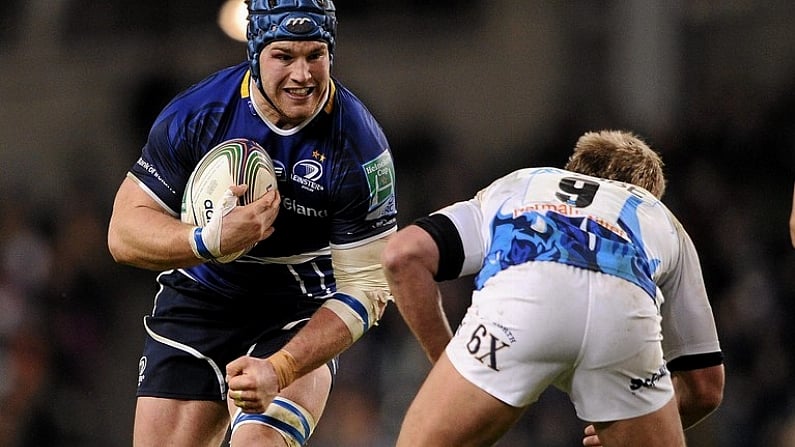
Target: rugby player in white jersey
[{"x": 584, "y": 281}]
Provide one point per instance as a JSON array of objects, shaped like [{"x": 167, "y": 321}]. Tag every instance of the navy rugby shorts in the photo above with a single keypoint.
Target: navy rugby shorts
[{"x": 193, "y": 333}]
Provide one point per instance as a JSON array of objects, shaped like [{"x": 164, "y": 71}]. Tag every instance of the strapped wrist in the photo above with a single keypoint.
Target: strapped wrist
[
  {"x": 197, "y": 244},
  {"x": 285, "y": 366}
]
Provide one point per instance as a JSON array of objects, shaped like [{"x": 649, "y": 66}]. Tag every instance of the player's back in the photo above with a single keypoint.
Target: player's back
[{"x": 549, "y": 214}]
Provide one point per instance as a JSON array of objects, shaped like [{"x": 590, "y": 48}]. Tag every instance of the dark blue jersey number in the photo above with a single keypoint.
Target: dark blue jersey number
[{"x": 576, "y": 191}]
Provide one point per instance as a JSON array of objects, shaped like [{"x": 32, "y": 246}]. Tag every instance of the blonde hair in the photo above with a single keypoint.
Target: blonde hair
[{"x": 618, "y": 155}]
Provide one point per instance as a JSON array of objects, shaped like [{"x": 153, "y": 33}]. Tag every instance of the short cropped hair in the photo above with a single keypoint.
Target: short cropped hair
[{"x": 618, "y": 155}]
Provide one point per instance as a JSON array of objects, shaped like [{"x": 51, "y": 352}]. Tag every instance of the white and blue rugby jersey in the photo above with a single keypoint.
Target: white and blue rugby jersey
[
  {"x": 553, "y": 215},
  {"x": 335, "y": 176}
]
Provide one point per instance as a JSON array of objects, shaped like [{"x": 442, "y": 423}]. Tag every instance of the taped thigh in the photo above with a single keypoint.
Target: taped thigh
[{"x": 290, "y": 419}]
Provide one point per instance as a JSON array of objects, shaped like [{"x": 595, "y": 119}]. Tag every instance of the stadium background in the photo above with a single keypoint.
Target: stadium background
[{"x": 466, "y": 91}]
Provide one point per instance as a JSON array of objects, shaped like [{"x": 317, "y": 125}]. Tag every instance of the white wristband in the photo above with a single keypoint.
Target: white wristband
[
  {"x": 206, "y": 241},
  {"x": 197, "y": 244}
]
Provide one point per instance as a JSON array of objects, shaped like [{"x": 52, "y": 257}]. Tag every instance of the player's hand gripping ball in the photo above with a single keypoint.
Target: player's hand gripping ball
[{"x": 207, "y": 197}]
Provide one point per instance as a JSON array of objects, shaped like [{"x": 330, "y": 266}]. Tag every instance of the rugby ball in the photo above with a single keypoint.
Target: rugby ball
[{"x": 232, "y": 162}]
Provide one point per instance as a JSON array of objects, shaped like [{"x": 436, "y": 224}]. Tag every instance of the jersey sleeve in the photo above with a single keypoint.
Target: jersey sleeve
[
  {"x": 467, "y": 219},
  {"x": 173, "y": 148},
  {"x": 183, "y": 131},
  {"x": 156, "y": 173},
  {"x": 365, "y": 206},
  {"x": 364, "y": 199},
  {"x": 687, "y": 320},
  {"x": 448, "y": 243}
]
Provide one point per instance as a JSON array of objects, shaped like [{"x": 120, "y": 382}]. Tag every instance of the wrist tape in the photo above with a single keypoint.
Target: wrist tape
[
  {"x": 206, "y": 241},
  {"x": 198, "y": 246},
  {"x": 285, "y": 366}
]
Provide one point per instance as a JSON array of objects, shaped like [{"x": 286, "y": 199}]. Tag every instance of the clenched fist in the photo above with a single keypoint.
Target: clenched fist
[{"x": 253, "y": 383}]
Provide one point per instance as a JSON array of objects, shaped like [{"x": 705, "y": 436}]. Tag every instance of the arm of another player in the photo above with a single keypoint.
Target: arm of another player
[
  {"x": 698, "y": 393},
  {"x": 142, "y": 234},
  {"x": 792, "y": 221},
  {"x": 411, "y": 261},
  {"x": 439, "y": 247}
]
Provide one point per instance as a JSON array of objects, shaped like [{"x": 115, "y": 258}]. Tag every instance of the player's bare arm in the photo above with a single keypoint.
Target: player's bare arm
[
  {"x": 254, "y": 382},
  {"x": 142, "y": 234},
  {"x": 410, "y": 265},
  {"x": 358, "y": 305},
  {"x": 698, "y": 393}
]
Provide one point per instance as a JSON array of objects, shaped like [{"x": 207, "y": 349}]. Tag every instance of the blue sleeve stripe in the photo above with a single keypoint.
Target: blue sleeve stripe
[
  {"x": 355, "y": 305},
  {"x": 200, "y": 247}
]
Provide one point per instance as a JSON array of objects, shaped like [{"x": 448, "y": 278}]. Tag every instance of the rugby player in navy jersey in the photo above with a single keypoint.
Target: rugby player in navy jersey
[{"x": 253, "y": 343}]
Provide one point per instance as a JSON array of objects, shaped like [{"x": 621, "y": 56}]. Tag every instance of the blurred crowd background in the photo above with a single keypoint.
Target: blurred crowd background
[{"x": 466, "y": 91}]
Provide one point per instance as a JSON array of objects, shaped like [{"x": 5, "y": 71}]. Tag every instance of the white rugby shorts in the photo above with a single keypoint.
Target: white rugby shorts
[{"x": 592, "y": 335}]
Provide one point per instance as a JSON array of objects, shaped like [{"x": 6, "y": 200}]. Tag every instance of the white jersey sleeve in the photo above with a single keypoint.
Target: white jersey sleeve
[
  {"x": 688, "y": 322},
  {"x": 468, "y": 221}
]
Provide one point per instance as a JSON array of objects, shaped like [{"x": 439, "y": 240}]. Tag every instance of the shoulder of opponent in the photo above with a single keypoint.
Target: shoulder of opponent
[{"x": 519, "y": 181}]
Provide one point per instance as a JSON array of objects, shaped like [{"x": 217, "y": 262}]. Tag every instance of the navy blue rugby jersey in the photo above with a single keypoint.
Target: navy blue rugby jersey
[{"x": 335, "y": 176}]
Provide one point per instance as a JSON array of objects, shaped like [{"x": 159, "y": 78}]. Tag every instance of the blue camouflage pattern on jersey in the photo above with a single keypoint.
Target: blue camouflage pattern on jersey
[
  {"x": 335, "y": 176},
  {"x": 577, "y": 241}
]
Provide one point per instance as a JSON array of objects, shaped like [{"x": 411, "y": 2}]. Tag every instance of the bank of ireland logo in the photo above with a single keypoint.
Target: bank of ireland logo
[{"x": 381, "y": 179}]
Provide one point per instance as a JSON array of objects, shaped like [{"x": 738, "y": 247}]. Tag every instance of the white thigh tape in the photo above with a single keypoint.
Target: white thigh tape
[{"x": 293, "y": 421}]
